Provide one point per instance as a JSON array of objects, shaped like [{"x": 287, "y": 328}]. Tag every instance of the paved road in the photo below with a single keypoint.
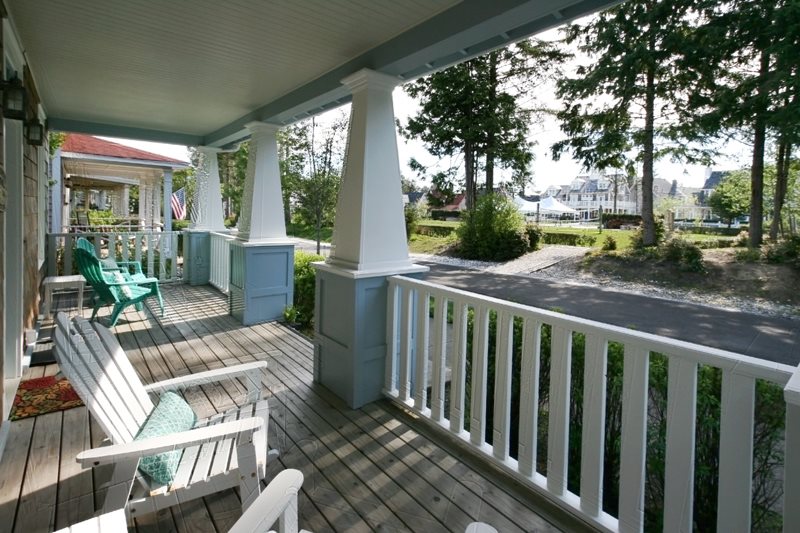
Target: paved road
[{"x": 774, "y": 339}]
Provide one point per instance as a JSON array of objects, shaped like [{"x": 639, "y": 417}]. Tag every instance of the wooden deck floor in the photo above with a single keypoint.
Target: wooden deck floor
[{"x": 365, "y": 470}]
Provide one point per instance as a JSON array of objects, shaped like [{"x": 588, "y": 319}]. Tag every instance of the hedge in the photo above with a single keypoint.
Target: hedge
[
  {"x": 569, "y": 239},
  {"x": 443, "y": 214},
  {"x": 705, "y": 230}
]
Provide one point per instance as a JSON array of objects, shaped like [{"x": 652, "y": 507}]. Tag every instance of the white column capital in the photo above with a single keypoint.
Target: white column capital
[
  {"x": 262, "y": 128},
  {"x": 370, "y": 79}
]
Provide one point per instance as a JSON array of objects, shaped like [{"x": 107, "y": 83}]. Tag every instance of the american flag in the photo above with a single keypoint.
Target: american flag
[{"x": 178, "y": 203}]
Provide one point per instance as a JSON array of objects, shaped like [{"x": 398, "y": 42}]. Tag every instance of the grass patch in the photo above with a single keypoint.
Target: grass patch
[
  {"x": 440, "y": 223},
  {"x": 308, "y": 232},
  {"x": 430, "y": 244},
  {"x": 622, "y": 236}
]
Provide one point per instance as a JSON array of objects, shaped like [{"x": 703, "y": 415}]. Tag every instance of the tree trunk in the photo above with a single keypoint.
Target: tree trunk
[
  {"x": 648, "y": 220},
  {"x": 781, "y": 184},
  {"x": 492, "y": 134},
  {"x": 757, "y": 167},
  {"x": 319, "y": 233},
  {"x": 469, "y": 175},
  {"x": 616, "y": 190}
]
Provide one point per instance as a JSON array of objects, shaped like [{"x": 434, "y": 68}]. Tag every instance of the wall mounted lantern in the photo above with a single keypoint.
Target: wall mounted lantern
[
  {"x": 34, "y": 132},
  {"x": 13, "y": 99}
]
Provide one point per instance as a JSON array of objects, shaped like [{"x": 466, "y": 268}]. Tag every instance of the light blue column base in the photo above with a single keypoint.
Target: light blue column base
[
  {"x": 262, "y": 281},
  {"x": 197, "y": 257},
  {"x": 350, "y": 334}
]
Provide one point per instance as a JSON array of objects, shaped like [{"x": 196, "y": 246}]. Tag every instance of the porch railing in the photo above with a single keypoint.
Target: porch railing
[
  {"x": 160, "y": 253},
  {"x": 440, "y": 369},
  {"x": 219, "y": 275}
]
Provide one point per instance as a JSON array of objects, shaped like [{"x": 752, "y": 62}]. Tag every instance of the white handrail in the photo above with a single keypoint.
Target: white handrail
[{"x": 408, "y": 381}]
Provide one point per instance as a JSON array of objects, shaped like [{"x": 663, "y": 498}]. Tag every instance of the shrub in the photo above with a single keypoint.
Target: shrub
[
  {"x": 748, "y": 255},
  {"x": 412, "y": 217},
  {"x": 684, "y": 253},
  {"x": 304, "y": 287},
  {"x": 637, "y": 239},
  {"x": 609, "y": 244},
  {"x": 535, "y": 236},
  {"x": 785, "y": 251},
  {"x": 493, "y": 231},
  {"x": 743, "y": 239},
  {"x": 569, "y": 239},
  {"x": 178, "y": 225}
]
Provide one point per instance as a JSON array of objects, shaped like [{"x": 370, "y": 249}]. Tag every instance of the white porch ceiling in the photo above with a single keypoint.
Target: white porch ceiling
[{"x": 195, "y": 71}]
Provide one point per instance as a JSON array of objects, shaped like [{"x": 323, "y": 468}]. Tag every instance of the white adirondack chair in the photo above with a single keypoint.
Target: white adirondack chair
[
  {"x": 220, "y": 452},
  {"x": 278, "y": 503}
]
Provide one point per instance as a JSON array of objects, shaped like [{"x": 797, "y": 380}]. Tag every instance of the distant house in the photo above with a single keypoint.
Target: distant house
[
  {"x": 415, "y": 197},
  {"x": 713, "y": 179},
  {"x": 459, "y": 203},
  {"x": 588, "y": 193}
]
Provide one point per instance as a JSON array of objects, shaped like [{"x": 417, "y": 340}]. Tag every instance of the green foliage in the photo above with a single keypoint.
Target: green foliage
[
  {"x": 232, "y": 174},
  {"x": 748, "y": 255},
  {"x": 609, "y": 244},
  {"x": 474, "y": 108},
  {"x": 731, "y": 198},
  {"x": 55, "y": 140},
  {"x": 304, "y": 288},
  {"x": 102, "y": 218},
  {"x": 291, "y": 314},
  {"x": 493, "y": 231},
  {"x": 784, "y": 251},
  {"x": 535, "y": 236},
  {"x": 413, "y": 214},
  {"x": 768, "y": 428},
  {"x": 178, "y": 225},
  {"x": 431, "y": 244},
  {"x": 621, "y": 104},
  {"x": 570, "y": 239},
  {"x": 441, "y": 214},
  {"x": 637, "y": 239},
  {"x": 684, "y": 253}
]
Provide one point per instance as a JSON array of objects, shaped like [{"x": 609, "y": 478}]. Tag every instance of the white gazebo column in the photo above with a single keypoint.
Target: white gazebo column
[
  {"x": 262, "y": 258},
  {"x": 155, "y": 205},
  {"x": 369, "y": 246},
  {"x": 206, "y": 218},
  {"x": 102, "y": 196},
  {"x": 144, "y": 202},
  {"x": 168, "y": 200},
  {"x": 125, "y": 201}
]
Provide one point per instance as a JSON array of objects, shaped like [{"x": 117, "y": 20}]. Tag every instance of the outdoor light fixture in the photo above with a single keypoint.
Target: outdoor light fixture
[
  {"x": 34, "y": 132},
  {"x": 13, "y": 99}
]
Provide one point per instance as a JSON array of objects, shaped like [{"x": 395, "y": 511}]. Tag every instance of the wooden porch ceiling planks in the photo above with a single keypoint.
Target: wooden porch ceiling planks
[{"x": 364, "y": 469}]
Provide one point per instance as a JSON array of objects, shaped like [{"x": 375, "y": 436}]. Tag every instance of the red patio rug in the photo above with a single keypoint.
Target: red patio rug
[{"x": 43, "y": 395}]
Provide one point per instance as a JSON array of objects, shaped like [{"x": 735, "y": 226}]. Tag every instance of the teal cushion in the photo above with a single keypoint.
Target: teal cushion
[{"x": 171, "y": 415}]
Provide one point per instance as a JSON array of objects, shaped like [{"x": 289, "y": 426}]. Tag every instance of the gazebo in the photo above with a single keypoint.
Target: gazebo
[{"x": 89, "y": 172}]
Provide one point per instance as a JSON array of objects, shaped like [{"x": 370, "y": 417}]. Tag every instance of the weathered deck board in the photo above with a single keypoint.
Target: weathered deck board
[{"x": 364, "y": 469}]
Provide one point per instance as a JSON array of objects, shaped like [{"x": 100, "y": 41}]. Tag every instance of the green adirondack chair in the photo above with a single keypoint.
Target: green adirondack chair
[
  {"x": 132, "y": 270},
  {"x": 111, "y": 288}
]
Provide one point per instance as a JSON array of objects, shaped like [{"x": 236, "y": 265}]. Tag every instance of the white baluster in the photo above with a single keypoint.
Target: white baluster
[
  {"x": 634, "y": 438},
  {"x": 558, "y": 420},
  {"x": 679, "y": 461},
  {"x": 392, "y": 327},
  {"x": 529, "y": 395},
  {"x": 594, "y": 424},
  {"x": 421, "y": 352},
  {"x": 439, "y": 349},
  {"x": 502, "y": 385},
  {"x": 480, "y": 349},
  {"x": 406, "y": 314},
  {"x": 458, "y": 367},
  {"x": 735, "y": 452}
]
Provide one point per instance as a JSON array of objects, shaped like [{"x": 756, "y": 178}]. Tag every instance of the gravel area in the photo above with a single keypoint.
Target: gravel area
[{"x": 554, "y": 263}]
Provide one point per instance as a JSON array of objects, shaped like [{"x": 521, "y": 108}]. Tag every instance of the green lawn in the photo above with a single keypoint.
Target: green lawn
[
  {"x": 622, "y": 236},
  {"x": 308, "y": 232},
  {"x": 430, "y": 244},
  {"x": 439, "y": 223}
]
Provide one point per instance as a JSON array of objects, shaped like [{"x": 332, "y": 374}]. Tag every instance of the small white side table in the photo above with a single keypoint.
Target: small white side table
[{"x": 61, "y": 283}]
